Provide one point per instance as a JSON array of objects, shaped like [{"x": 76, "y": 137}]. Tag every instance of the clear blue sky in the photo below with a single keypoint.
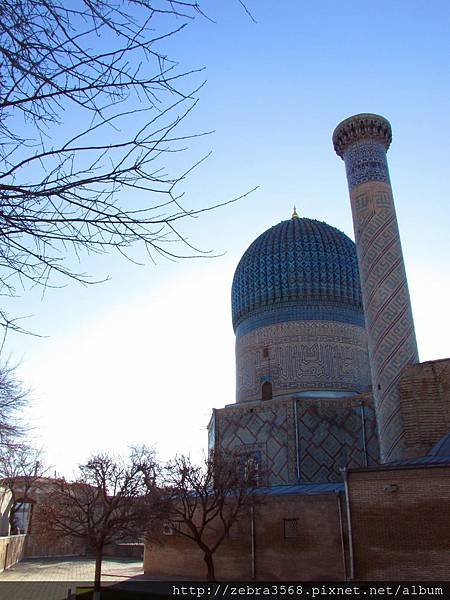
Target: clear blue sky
[{"x": 149, "y": 353}]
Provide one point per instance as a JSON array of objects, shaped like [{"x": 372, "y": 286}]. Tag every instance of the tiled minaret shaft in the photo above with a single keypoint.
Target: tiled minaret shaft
[{"x": 362, "y": 141}]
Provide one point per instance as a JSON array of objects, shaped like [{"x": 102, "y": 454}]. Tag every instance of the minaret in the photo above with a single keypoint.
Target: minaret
[{"x": 362, "y": 141}]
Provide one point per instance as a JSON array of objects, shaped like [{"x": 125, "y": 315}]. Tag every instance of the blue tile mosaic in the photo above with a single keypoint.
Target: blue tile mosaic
[
  {"x": 302, "y": 267},
  {"x": 366, "y": 161},
  {"x": 314, "y": 310}
]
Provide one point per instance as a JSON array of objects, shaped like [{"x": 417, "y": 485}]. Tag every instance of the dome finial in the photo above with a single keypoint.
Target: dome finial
[{"x": 295, "y": 214}]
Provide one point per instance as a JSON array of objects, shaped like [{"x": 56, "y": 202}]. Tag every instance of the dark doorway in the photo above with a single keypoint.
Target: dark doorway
[{"x": 266, "y": 390}]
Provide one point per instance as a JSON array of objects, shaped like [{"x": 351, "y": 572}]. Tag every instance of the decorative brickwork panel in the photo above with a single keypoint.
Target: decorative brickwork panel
[
  {"x": 362, "y": 142},
  {"x": 302, "y": 355},
  {"x": 390, "y": 326},
  {"x": 266, "y": 431},
  {"x": 332, "y": 435}
]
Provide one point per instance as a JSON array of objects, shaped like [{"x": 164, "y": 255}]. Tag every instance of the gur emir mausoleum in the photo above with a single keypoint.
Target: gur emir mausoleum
[{"x": 349, "y": 431}]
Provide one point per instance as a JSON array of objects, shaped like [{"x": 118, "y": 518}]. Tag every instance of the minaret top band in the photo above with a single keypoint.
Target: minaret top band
[{"x": 361, "y": 127}]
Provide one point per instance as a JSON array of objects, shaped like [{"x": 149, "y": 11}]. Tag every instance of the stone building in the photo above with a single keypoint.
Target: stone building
[{"x": 349, "y": 430}]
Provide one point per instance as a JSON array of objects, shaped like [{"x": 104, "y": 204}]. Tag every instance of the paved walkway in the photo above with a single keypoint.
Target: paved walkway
[
  {"x": 51, "y": 578},
  {"x": 71, "y": 569}
]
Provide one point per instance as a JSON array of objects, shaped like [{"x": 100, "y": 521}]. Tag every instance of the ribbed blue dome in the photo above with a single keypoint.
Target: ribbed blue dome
[{"x": 299, "y": 264}]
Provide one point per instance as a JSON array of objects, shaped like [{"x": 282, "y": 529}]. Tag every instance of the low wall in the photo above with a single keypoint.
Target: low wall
[
  {"x": 12, "y": 550},
  {"x": 38, "y": 548}
]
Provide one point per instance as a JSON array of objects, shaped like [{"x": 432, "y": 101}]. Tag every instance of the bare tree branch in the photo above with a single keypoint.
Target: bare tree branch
[
  {"x": 203, "y": 502},
  {"x": 111, "y": 500},
  {"x": 21, "y": 467},
  {"x": 13, "y": 398},
  {"x": 89, "y": 109}
]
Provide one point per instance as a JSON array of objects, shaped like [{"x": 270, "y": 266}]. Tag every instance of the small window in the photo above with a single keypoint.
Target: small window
[
  {"x": 266, "y": 390},
  {"x": 172, "y": 527},
  {"x": 290, "y": 529},
  {"x": 265, "y": 352}
]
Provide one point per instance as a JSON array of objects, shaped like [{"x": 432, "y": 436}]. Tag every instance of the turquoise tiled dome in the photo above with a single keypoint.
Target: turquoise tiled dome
[{"x": 298, "y": 269}]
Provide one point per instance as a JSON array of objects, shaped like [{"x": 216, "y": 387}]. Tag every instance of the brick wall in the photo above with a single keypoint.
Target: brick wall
[
  {"x": 314, "y": 553},
  {"x": 425, "y": 404},
  {"x": 176, "y": 555},
  {"x": 401, "y": 525}
]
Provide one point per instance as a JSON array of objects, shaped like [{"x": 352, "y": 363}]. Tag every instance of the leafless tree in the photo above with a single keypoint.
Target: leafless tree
[
  {"x": 205, "y": 501},
  {"x": 21, "y": 468},
  {"x": 13, "y": 398},
  {"x": 90, "y": 107},
  {"x": 110, "y": 501},
  {"x": 20, "y": 463}
]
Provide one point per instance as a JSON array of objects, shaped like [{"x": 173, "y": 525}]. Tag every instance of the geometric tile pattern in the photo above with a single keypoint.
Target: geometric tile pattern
[
  {"x": 297, "y": 261},
  {"x": 266, "y": 431},
  {"x": 330, "y": 434},
  {"x": 387, "y": 306},
  {"x": 333, "y": 436},
  {"x": 302, "y": 355}
]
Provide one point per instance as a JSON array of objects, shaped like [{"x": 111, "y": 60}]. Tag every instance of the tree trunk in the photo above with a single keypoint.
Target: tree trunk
[
  {"x": 208, "y": 558},
  {"x": 98, "y": 572}
]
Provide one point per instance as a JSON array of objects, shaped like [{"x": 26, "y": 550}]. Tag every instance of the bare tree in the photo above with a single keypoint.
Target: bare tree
[
  {"x": 13, "y": 398},
  {"x": 20, "y": 463},
  {"x": 110, "y": 501},
  {"x": 205, "y": 501},
  {"x": 21, "y": 468},
  {"x": 90, "y": 107}
]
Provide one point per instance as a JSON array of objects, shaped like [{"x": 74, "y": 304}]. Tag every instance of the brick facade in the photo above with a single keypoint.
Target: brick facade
[
  {"x": 315, "y": 552},
  {"x": 400, "y": 523},
  {"x": 425, "y": 401},
  {"x": 400, "y": 531}
]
